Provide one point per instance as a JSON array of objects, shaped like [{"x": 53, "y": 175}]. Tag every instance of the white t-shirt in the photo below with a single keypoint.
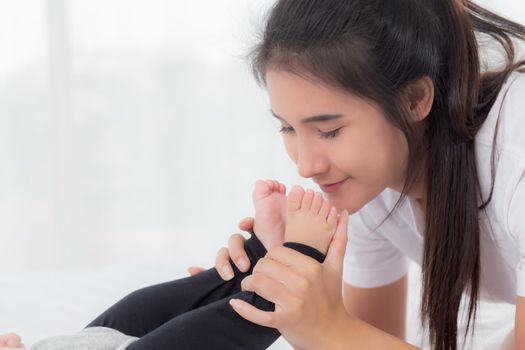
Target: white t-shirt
[{"x": 378, "y": 258}]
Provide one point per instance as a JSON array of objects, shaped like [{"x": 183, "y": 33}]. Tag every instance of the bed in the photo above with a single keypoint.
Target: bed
[{"x": 39, "y": 304}]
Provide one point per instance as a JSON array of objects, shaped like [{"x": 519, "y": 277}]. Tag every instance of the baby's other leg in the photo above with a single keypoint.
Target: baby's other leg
[
  {"x": 217, "y": 326},
  {"x": 148, "y": 308}
]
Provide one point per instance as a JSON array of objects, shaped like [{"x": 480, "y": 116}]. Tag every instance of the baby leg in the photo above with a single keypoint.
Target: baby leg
[
  {"x": 148, "y": 308},
  {"x": 216, "y": 326}
]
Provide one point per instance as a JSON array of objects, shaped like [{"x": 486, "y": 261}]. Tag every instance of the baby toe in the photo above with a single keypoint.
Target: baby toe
[
  {"x": 306, "y": 203},
  {"x": 317, "y": 202},
  {"x": 325, "y": 209},
  {"x": 332, "y": 216},
  {"x": 294, "y": 199}
]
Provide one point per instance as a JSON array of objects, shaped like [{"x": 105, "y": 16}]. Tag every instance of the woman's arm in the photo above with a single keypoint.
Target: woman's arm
[
  {"x": 383, "y": 307},
  {"x": 360, "y": 335},
  {"x": 519, "y": 327},
  {"x": 510, "y": 341},
  {"x": 515, "y": 340}
]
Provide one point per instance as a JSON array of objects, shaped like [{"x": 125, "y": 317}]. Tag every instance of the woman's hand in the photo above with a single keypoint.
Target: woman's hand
[
  {"x": 235, "y": 250},
  {"x": 309, "y": 309}
]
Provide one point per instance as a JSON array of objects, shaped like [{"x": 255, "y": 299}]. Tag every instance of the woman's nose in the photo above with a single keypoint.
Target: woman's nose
[{"x": 310, "y": 164}]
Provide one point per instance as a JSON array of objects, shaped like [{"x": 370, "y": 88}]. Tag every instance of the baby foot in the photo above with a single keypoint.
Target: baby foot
[
  {"x": 11, "y": 340},
  {"x": 269, "y": 200},
  {"x": 310, "y": 219}
]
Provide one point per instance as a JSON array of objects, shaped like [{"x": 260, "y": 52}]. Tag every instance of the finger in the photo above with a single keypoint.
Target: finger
[
  {"x": 278, "y": 272},
  {"x": 222, "y": 264},
  {"x": 195, "y": 270},
  {"x": 246, "y": 224},
  {"x": 237, "y": 252},
  {"x": 337, "y": 247},
  {"x": 253, "y": 314},
  {"x": 265, "y": 287},
  {"x": 291, "y": 258}
]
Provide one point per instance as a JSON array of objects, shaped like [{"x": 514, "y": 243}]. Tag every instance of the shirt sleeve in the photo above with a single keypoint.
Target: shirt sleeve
[
  {"x": 371, "y": 260},
  {"x": 516, "y": 220}
]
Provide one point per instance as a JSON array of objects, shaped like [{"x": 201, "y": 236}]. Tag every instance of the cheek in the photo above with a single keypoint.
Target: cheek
[
  {"x": 390, "y": 158},
  {"x": 363, "y": 158},
  {"x": 383, "y": 154},
  {"x": 397, "y": 156}
]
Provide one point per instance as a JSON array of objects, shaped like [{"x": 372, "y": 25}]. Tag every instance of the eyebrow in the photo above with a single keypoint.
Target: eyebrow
[{"x": 314, "y": 119}]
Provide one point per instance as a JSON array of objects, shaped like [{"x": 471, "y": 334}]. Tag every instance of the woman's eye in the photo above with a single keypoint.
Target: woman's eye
[
  {"x": 322, "y": 134},
  {"x": 286, "y": 129},
  {"x": 329, "y": 134}
]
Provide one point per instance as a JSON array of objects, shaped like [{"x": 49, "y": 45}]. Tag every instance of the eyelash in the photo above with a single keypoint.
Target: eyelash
[{"x": 324, "y": 135}]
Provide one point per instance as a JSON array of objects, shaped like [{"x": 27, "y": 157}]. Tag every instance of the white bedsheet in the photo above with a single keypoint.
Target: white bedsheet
[{"x": 48, "y": 303}]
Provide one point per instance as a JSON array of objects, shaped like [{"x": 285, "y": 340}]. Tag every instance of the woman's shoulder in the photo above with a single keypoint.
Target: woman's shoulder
[
  {"x": 508, "y": 113},
  {"x": 513, "y": 93}
]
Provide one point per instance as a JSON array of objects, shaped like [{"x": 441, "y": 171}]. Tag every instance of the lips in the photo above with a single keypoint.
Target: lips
[{"x": 332, "y": 187}]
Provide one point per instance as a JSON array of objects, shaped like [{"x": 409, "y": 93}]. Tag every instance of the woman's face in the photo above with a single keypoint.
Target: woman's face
[{"x": 359, "y": 146}]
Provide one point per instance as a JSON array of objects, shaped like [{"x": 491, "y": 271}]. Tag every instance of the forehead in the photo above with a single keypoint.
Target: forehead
[{"x": 294, "y": 97}]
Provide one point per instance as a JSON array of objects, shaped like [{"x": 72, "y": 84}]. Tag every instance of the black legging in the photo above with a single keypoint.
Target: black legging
[{"x": 194, "y": 313}]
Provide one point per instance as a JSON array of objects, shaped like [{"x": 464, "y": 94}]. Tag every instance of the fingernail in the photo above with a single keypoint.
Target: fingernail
[
  {"x": 235, "y": 303},
  {"x": 243, "y": 264},
  {"x": 227, "y": 273}
]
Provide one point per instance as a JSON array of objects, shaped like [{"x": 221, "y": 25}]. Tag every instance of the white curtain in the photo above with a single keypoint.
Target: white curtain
[{"x": 129, "y": 130}]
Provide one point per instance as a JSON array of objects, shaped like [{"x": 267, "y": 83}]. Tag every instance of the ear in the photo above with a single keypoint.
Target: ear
[{"x": 419, "y": 97}]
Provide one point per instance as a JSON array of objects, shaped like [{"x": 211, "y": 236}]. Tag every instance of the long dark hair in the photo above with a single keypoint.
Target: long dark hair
[{"x": 376, "y": 48}]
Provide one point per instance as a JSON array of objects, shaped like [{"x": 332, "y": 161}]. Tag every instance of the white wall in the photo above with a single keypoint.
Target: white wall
[{"x": 132, "y": 130}]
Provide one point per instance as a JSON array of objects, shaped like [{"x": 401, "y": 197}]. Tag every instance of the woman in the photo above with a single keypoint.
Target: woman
[{"x": 389, "y": 107}]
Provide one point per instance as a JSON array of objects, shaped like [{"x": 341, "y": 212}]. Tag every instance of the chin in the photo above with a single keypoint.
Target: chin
[
  {"x": 351, "y": 202},
  {"x": 344, "y": 203}
]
